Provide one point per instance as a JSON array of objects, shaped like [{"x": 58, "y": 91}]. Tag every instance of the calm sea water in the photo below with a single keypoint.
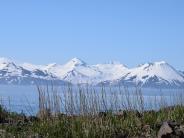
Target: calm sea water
[{"x": 25, "y": 98}]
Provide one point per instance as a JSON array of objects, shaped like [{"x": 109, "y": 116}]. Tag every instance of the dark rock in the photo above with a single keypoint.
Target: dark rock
[
  {"x": 138, "y": 114},
  {"x": 120, "y": 135},
  {"x": 179, "y": 131},
  {"x": 173, "y": 124},
  {"x": 33, "y": 119},
  {"x": 102, "y": 114}
]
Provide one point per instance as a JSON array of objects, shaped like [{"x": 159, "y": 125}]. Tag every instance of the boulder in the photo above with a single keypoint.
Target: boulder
[
  {"x": 165, "y": 130},
  {"x": 171, "y": 129}
]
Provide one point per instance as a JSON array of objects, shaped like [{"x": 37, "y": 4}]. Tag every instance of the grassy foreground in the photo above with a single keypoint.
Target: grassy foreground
[
  {"x": 104, "y": 125},
  {"x": 50, "y": 122}
]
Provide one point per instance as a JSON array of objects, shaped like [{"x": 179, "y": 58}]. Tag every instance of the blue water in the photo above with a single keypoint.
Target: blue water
[
  {"x": 19, "y": 98},
  {"x": 25, "y": 98}
]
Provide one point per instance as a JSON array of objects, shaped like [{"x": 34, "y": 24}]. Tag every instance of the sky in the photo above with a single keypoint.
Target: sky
[{"x": 96, "y": 31}]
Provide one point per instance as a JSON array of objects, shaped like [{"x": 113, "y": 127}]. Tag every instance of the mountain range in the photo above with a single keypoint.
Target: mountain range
[{"x": 157, "y": 74}]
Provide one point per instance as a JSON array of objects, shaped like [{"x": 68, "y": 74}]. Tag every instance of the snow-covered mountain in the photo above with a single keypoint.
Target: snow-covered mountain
[
  {"x": 11, "y": 73},
  {"x": 157, "y": 74},
  {"x": 77, "y": 71}
]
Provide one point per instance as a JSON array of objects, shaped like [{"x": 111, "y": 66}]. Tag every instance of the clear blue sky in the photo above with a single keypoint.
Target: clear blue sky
[{"x": 130, "y": 31}]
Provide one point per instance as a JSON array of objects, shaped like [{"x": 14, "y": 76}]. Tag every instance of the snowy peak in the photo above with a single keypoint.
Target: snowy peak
[
  {"x": 9, "y": 67},
  {"x": 161, "y": 63},
  {"x": 76, "y": 62},
  {"x": 5, "y": 62}
]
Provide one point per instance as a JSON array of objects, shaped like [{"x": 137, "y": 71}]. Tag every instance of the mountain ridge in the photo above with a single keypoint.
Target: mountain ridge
[{"x": 76, "y": 71}]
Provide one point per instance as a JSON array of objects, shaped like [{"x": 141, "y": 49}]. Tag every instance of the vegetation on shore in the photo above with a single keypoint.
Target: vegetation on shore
[{"x": 90, "y": 121}]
